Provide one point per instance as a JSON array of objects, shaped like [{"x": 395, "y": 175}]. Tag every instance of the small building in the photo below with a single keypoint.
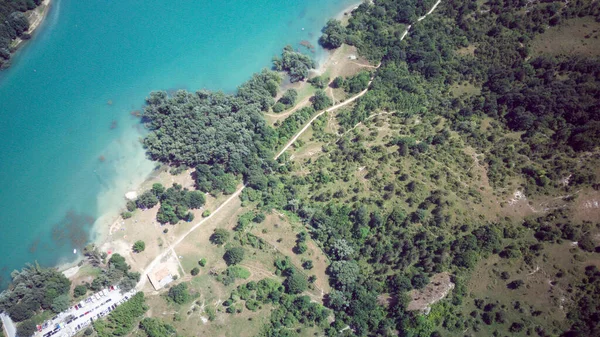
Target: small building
[{"x": 161, "y": 277}]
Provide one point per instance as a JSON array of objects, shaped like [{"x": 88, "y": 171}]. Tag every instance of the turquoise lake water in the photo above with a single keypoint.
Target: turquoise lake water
[{"x": 70, "y": 148}]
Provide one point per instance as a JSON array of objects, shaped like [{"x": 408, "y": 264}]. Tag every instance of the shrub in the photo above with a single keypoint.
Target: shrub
[
  {"x": 179, "y": 293},
  {"x": 206, "y": 214},
  {"x": 195, "y": 271},
  {"x": 80, "y": 290},
  {"x": 234, "y": 255},
  {"x": 139, "y": 246},
  {"x": 131, "y": 206},
  {"x": 296, "y": 283},
  {"x": 219, "y": 236},
  {"x": 126, "y": 215},
  {"x": 202, "y": 262}
]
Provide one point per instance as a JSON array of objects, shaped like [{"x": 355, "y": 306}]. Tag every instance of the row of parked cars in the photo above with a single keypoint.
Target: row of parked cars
[{"x": 70, "y": 318}]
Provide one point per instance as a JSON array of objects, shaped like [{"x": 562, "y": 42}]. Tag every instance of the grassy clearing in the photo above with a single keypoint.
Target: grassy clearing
[
  {"x": 543, "y": 300},
  {"x": 579, "y": 36}
]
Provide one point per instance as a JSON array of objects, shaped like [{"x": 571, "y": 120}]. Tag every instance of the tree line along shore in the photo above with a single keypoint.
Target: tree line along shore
[{"x": 412, "y": 181}]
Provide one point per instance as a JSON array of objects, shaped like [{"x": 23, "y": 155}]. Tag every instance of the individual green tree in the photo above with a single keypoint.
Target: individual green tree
[
  {"x": 300, "y": 248},
  {"x": 88, "y": 331},
  {"x": 139, "y": 246},
  {"x": 320, "y": 100},
  {"x": 126, "y": 215},
  {"x": 179, "y": 293},
  {"x": 295, "y": 283},
  {"x": 338, "y": 82},
  {"x": 195, "y": 271},
  {"x": 118, "y": 262},
  {"x": 234, "y": 255},
  {"x": 219, "y": 236},
  {"x": 26, "y": 328},
  {"x": 586, "y": 244},
  {"x": 61, "y": 303},
  {"x": 206, "y": 214},
  {"x": 202, "y": 262},
  {"x": 80, "y": 290},
  {"x": 289, "y": 98},
  {"x": 334, "y": 35},
  {"x": 308, "y": 264},
  {"x": 319, "y": 82},
  {"x": 195, "y": 199},
  {"x": 147, "y": 200},
  {"x": 158, "y": 189},
  {"x": 131, "y": 206},
  {"x": 516, "y": 284}
]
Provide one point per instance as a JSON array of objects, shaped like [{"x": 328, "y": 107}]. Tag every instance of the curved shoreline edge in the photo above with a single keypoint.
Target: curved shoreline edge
[{"x": 34, "y": 24}]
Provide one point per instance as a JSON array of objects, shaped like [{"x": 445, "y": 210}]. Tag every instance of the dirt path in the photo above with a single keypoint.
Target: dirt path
[
  {"x": 300, "y": 105},
  {"x": 335, "y": 107},
  {"x": 157, "y": 259}
]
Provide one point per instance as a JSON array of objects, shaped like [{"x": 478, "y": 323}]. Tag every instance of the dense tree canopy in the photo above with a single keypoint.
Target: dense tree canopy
[{"x": 294, "y": 63}]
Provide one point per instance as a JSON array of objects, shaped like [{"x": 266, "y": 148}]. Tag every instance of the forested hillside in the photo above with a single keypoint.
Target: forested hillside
[
  {"x": 458, "y": 197},
  {"x": 418, "y": 178},
  {"x": 13, "y": 24}
]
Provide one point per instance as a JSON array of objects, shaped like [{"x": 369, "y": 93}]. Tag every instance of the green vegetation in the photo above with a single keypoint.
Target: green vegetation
[
  {"x": 195, "y": 271},
  {"x": 220, "y": 236},
  {"x": 234, "y": 255},
  {"x": 123, "y": 319},
  {"x": 334, "y": 34},
  {"x": 287, "y": 100},
  {"x": 320, "y": 101},
  {"x": 116, "y": 272},
  {"x": 13, "y": 24},
  {"x": 294, "y": 63},
  {"x": 154, "y": 327},
  {"x": 80, "y": 290},
  {"x": 32, "y": 290},
  {"x": 139, "y": 246},
  {"x": 179, "y": 293}
]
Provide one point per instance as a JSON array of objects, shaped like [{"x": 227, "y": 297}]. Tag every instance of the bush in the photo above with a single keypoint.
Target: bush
[
  {"x": 80, "y": 290},
  {"x": 131, "y": 206},
  {"x": 139, "y": 246},
  {"x": 88, "y": 331},
  {"x": 321, "y": 101},
  {"x": 206, "y": 214},
  {"x": 219, "y": 236},
  {"x": 26, "y": 329},
  {"x": 234, "y": 255},
  {"x": 308, "y": 264},
  {"x": 202, "y": 262},
  {"x": 296, "y": 283},
  {"x": 179, "y": 293},
  {"x": 195, "y": 271},
  {"x": 516, "y": 284},
  {"x": 278, "y": 107},
  {"x": 147, "y": 200},
  {"x": 126, "y": 215}
]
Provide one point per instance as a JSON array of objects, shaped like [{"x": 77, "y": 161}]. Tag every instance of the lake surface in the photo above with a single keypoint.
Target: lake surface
[{"x": 70, "y": 147}]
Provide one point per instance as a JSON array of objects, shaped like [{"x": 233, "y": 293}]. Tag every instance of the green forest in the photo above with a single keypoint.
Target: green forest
[
  {"x": 418, "y": 178},
  {"x": 13, "y": 24},
  {"x": 410, "y": 220}
]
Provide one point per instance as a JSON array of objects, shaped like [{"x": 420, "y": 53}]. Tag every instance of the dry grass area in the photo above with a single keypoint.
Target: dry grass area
[
  {"x": 465, "y": 89},
  {"x": 280, "y": 231},
  {"x": 543, "y": 290},
  {"x": 579, "y": 36},
  {"x": 468, "y": 50}
]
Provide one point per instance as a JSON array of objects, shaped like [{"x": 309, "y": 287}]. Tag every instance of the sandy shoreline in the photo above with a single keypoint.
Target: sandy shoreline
[
  {"x": 37, "y": 21},
  {"x": 102, "y": 234}
]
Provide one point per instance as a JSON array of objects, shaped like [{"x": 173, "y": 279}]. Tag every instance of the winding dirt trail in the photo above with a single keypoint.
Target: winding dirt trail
[{"x": 172, "y": 246}]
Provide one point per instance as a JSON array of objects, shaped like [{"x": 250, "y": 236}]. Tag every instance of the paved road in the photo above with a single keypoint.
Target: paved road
[
  {"x": 80, "y": 318},
  {"x": 9, "y": 326}
]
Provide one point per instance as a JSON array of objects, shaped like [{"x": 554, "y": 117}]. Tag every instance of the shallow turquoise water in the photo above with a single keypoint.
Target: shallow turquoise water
[{"x": 56, "y": 120}]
